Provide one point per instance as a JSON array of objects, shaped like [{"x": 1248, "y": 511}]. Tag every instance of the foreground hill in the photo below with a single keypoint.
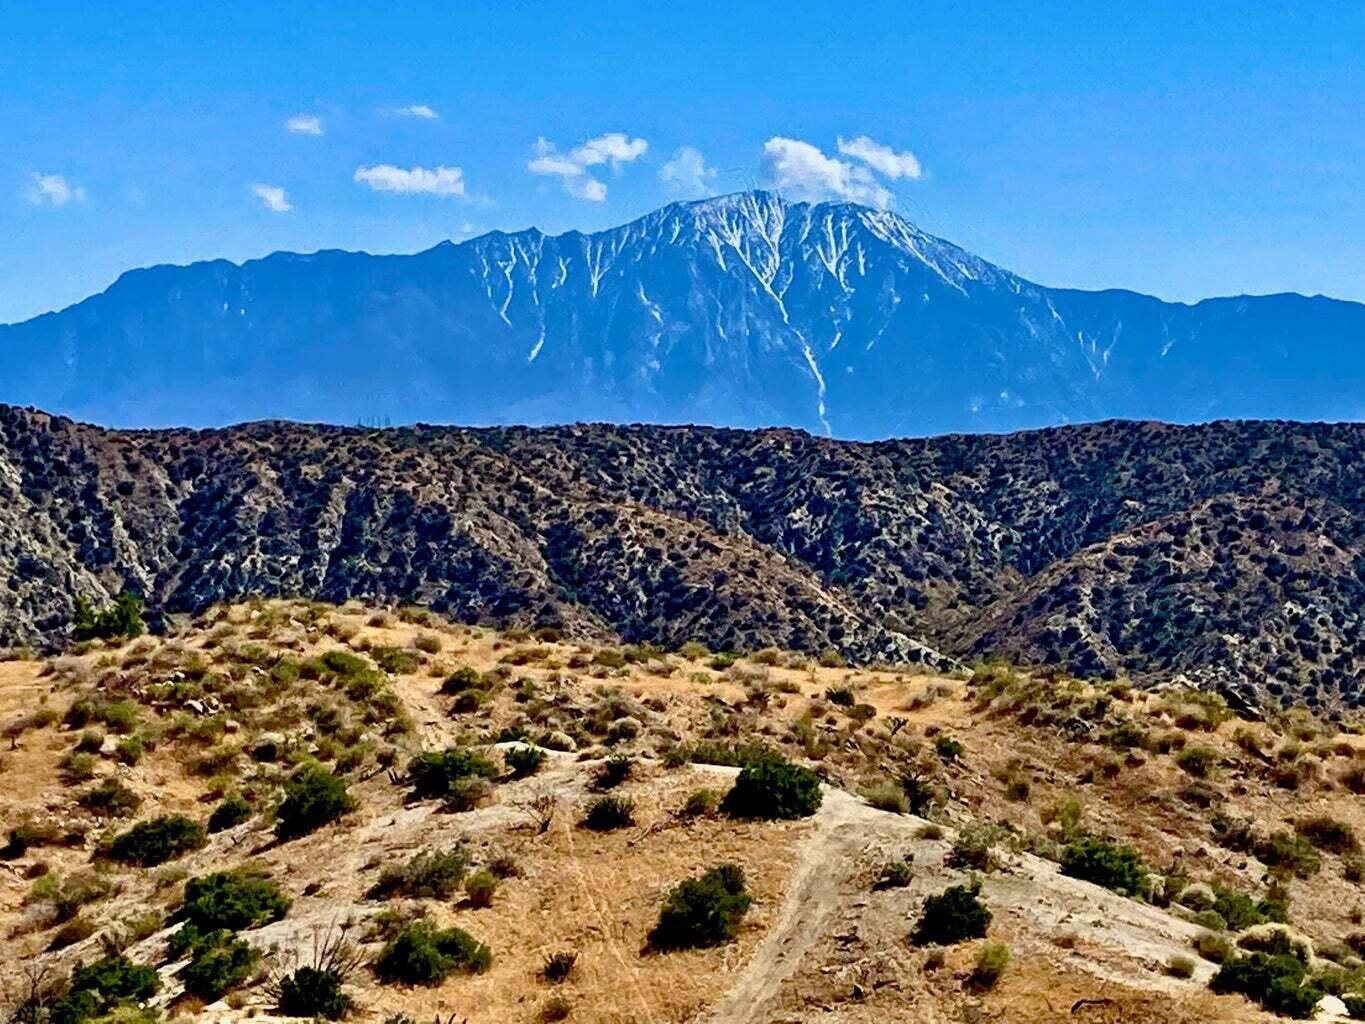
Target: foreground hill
[
  {"x": 1229, "y": 553},
  {"x": 1123, "y": 844},
  {"x": 743, "y": 311}
]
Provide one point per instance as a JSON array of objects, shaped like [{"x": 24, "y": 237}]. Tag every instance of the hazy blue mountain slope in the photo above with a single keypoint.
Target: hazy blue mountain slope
[{"x": 742, "y": 311}]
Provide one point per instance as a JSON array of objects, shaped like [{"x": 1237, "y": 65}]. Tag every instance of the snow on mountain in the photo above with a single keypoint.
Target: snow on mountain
[{"x": 743, "y": 310}]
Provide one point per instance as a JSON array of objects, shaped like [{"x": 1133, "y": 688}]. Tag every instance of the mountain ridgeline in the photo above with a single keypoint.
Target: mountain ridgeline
[
  {"x": 1230, "y": 554},
  {"x": 741, "y": 311}
]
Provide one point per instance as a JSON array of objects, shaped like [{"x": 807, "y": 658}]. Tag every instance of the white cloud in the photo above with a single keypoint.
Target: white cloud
[
  {"x": 882, "y": 159},
  {"x": 613, "y": 148},
  {"x": 52, "y": 190},
  {"x": 804, "y": 171},
  {"x": 275, "y": 198},
  {"x": 687, "y": 174},
  {"x": 433, "y": 181},
  {"x": 420, "y": 110},
  {"x": 304, "y": 124}
]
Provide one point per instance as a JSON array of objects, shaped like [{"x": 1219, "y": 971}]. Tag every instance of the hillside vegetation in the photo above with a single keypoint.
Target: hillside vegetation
[
  {"x": 292, "y": 809},
  {"x": 1225, "y": 555}
]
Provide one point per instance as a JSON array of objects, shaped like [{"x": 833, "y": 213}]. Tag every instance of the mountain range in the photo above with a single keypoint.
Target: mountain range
[
  {"x": 744, "y": 310},
  {"x": 1229, "y": 554}
]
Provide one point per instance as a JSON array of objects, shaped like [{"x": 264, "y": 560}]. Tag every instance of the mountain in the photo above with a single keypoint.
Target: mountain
[
  {"x": 743, "y": 311},
  {"x": 1231, "y": 554}
]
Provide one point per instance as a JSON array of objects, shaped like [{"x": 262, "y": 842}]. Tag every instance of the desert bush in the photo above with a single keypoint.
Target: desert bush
[
  {"x": 613, "y": 771},
  {"x": 313, "y": 797},
  {"x": 558, "y": 967},
  {"x": 218, "y": 967},
  {"x": 1279, "y": 983},
  {"x": 233, "y": 810},
  {"x": 895, "y": 875},
  {"x": 920, "y": 794},
  {"x": 433, "y": 874},
  {"x": 700, "y": 803},
  {"x": 1287, "y": 853},
  {"x": 887, "y": 796},
  {"x": 122, "y": 620},
  {"x": 232, "y": 900},
  {"x": 422, "y": 954},
  {"x": 1213, "y": 947},
  {"x": 1242, "y": 911},
  {"x": 462, "y": 679},
  {"x": 954, "y": 915},
  {"x": 99, "y": 988},
  {"x": 110, "y": 799},
  {"x": 78, "y": 929},
  {"x": 129, "y": 750},
  {"x": 522, "y": 761},
  {"x": 991, "y": 961},
  {"x": 701, "y": 912},
  {"x": 974, "y": 847},
  {"x": 1328, "y": 834},
  {"x": 154, "y": 842},
  {"x": 772, "y": 788},
  {"x": 1197, "y": 761},
  {"x": 605, "y": 813},
  {"x": 1117, "y": 868},
  {"x": 396, "y": 661},
  {"x": 947, "y": 748},
  {"x": 1180, "y": 966},
  {"x": 480, "y": 887},
  {"x": 436, "y": 774}
]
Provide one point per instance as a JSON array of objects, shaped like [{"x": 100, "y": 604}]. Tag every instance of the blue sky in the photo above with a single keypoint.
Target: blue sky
[{"x": 1184, "y": 150}]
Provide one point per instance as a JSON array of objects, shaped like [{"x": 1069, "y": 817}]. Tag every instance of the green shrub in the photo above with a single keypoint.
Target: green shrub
[
  {"x": 1355, "y": 1005},
  {"x": 974, "y": 847},
  {"x": 523, "y": 762},
  {"x": 1180, "y": 966},
  {"x": 434, "y": 874},
  {"x": 1213, "y": 947},
  {"x": 886, "y": 796},
  {"x": 313, "y": 992},
  {"x": 605, "y": 813},
  {"x": 129, "y": 750},
  {"x": 1117, "y": 868},
  {"x": 122, "y": 620},
  {"x": 154, "y": 842},
  {"x": 703, "y": 911},
  {"x": 78, "y": 929},
  {"x": 954, "y": 915},
  {"x": 919, "y": 793},
  {"x": 1240, "y": 911},
  {"x": 396, "y": 661},
  {"x": 462, "y": 679},
  {"x": 1277, "y": 982},
  {"x": 422, "y": 954},
  {"x": 480, "y": 887},
  {"x": 1197, "y": 761},
  {"x": 110, "y": 799},
  {"x": 1286, "y": 853},
  {"x": 233, "y": 810},
  {"x": 701, "y": 803},
  {"x": 896, "y": 875},
  {"x": 771, "y": 787},
  {"x": 313, "y": 797},
  {"x": 947, "y": 748},
  {"x": 991, "y": 960},
  {"x": 613, "y": 771},
  {"x": 233, "y": 900},
  {"x": 218, "y": 967},
  {"x": 101, "y": 987},
  {"x": 436, "y": 773},
  {"x": 1328, "y": 834}
]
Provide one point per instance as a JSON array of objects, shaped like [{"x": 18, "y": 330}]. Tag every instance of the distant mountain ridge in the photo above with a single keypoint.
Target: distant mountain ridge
[
  {"x": 744, "y": 310},
  {"x": 1230, "y": 554}
]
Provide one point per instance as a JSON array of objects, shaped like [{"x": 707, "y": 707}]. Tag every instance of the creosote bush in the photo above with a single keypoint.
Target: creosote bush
[
  {"x": 954, "y": 915},
  {"x": 703, "y": 911},
  {"x": 1278, "y": 982},
  {"x": 439, "y": 773},
  {"x": 154, "y": 842},
  {"x": 313, "y": 797},
  {"x": 233, "y": 901},
  {"x": 605, "y": 813},
  {"x": 772, "y": 788},
  {"x": 1117, "y": 868},
  {"x": 422, "y": 954}
]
